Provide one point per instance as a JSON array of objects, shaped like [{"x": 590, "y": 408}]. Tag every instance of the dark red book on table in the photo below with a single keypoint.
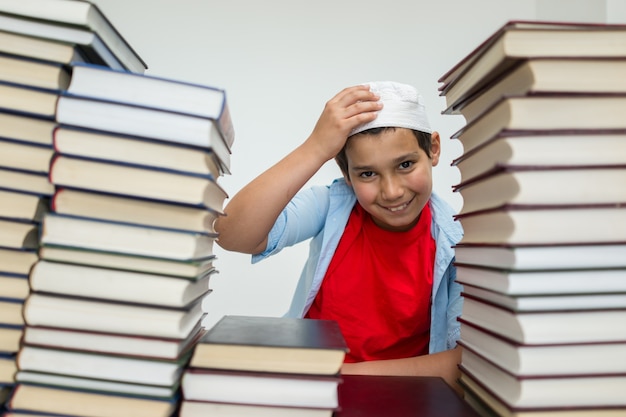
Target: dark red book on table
[{"x": 399, "y": 396}]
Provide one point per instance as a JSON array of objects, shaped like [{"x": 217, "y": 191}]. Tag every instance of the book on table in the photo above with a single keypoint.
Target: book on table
[
  {"x": 29, "y": 182},
  {"x": 272, "y": 344},
  {"x": 130, "y": 210},
  {"x": 117, "y": 285},
  {"x": 113, "y": 343},
  {"x": 23, "y": 206},
  {"x": 530, "y": 224},
  {"x": 488, "y": 405},
  {"x": 536, "y": 76},
  {"x": 575, "y": 280},
  {"x": 536, "y": 185},
  {"x": 132, "y": 150},
  {"x": 219, "y": 409},
  {"x": 17, "y": 234},
  {"x": 154, "y": 92},
  {"x": 26, "y": 128},
  {"x": 559, "y": 112},
  {"x": 14, "y": 286},
  {"x": 558, "y": 149},
  {"x": 17, "y": 261},
  {"x": 32, "y": 72},
  {"x": 65, "y": 401},
  {"x": 78, "y": 15},
  {"x": 537, "y": 257},
  {"x": 25, "y": 156},
  {"x": 41, "y": 49},
  {"x": 111, "y": 317},
  {"x": 594, "y": 390},
  {"x": 140, "y": 182},
  {"x": 544, "y": 359},
  {"x": 120, "y": 238},
  {"x": 260, "y": 388},
  {"x": 10, "y": 337},
  {"x": 518, "y": 40},
  {"x": 8, "y": 368},
  {"x": 11, "y": 311},
  {"x": 82, "y": 256},
  {"x": 547, "y": 326}
]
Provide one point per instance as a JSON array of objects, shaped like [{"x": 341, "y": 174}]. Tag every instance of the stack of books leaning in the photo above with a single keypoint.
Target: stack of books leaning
[
  {"x": 115, "y": 175},
  {"x": 543, "y": 182},
  {"x": 265, "y": 366}
]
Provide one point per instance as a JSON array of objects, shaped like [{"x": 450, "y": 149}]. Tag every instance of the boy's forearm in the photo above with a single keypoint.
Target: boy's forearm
[
  {"x": 252, "y": 211},
  {"x": 443, "y": 364}
]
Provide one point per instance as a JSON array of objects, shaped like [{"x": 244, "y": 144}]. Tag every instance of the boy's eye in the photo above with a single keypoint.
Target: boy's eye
[
  {"x": 366, "y": 174},
  {"x": 406, "y": 164}
]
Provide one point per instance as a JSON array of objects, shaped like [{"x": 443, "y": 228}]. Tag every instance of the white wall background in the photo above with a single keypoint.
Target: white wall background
[{"x": 281, "y": 60}]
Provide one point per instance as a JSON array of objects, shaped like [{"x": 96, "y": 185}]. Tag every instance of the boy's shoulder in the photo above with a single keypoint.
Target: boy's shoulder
[{"x": 443, "y": 216}]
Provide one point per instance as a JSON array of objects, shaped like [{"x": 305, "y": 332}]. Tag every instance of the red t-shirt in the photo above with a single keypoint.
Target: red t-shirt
[{"x": 378, "y": 288}]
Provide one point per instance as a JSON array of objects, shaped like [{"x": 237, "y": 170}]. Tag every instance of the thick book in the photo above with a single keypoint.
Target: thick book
[
  {"x": 63, "y": 401},
  {"x": 112, "y": 343},
  {"x": 82, "y": 256},
  {"x": 518, "y": 40},
  {"x": 218, "y": 409},
  {"x": 28, "y": 100},
  {"x": 546, "y": 391},
  {"x": 539, "y": 257},
  {"x": 24, "y": 156},
  {"x": 8, "y": 368},
  {"x": 144, "y": 122},
  {"x": 89, "y": 42},
  {"x": 17, "y": 261},
  {"x": 156, "y": 92},
  {"x": 28, "y": 182},
  {"x": 595, "y": 299},
  {"x": 132, "y": 210},
  {"x": 558, "y": 149},
  {"x": 113, "y": 387},
  {"x": 399, "y": 396},
  {"x": 25, "y": 128},
  {"x": 547, "y": 75},
  {"x": 116, "y": 285},
  {"x": 36, "y": 73},
  {"x": 10, "y": 337},
  {"x": 78, "y": 14},
  {"x": 261, "y": 388},
  {"x": 97, "y": 235},
  {"x": 22, "y": 206},
  {"x": 543, "y": 282},
  {"x": 488, "y": 405},
  {"x": 110, "y": 317},
  {"x": 545, "y": 112},
  {"x": 140, "y": 182},
  {"x": 14, "y": 286},
  {"x": 11, "y": 311},
  {"x": 537, "y": 185},
  {"x": 547, "y": 327},
  {"x": 40, "y": 48},
  {"x": 18, "y": 234},
  {"x": 131, "y": 150},
  {"x": 272, "y": 344},
  {"x": 544, "y": 359},
  {"x": 100, "y": 366},
  {"x": 559, "y": 224}
]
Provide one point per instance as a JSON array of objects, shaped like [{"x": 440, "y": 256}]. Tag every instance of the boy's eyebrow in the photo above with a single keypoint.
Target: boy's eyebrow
[{"x": 395, "y": 161}]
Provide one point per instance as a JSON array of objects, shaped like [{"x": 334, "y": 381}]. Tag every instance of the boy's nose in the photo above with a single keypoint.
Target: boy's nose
[{"x": 391, "y": 189}]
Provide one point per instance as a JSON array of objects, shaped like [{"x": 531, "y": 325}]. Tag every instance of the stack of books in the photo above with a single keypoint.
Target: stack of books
[
  {"x": 265, "y": 366},
  {"x": 543, "y": 182},
  {"x": 38, "y": 41},
  {"x": 125, "y": 244}
]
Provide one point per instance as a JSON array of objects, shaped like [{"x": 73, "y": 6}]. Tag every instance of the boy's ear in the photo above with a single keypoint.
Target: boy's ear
[{"x": 435, "y": 148}]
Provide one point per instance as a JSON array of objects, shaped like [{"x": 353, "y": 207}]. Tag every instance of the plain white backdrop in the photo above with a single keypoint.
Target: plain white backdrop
[{"x": 281, "y": 60}]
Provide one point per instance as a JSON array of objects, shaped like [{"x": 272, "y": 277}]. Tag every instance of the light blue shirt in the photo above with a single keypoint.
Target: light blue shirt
[{"x": 322, "y": 212}]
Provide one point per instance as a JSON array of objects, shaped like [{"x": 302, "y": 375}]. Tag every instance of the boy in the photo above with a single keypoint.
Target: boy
[{"x": 380, "y": 259}]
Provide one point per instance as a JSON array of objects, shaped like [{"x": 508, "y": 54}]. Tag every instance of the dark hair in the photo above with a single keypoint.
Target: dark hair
[{"x": 423, "y": 140}]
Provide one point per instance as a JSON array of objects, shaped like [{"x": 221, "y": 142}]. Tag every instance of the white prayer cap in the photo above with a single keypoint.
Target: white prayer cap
[{"x": 403, "y": 106}]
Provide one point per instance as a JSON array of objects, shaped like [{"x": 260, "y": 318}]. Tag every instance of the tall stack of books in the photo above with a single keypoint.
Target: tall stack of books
[
  {"x": 265, "y": 366},
  {"x": 543, "y": 257},
  {"x": 38, "y": 41},
  {"x": 125, "y": 247}
]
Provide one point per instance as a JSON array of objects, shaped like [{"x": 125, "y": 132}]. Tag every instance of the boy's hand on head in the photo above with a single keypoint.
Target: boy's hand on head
[{"x": 349, "y": 108}]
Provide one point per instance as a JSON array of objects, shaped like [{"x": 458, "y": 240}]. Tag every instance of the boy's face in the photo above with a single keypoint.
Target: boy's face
[{"x": 391, "y": 176}]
